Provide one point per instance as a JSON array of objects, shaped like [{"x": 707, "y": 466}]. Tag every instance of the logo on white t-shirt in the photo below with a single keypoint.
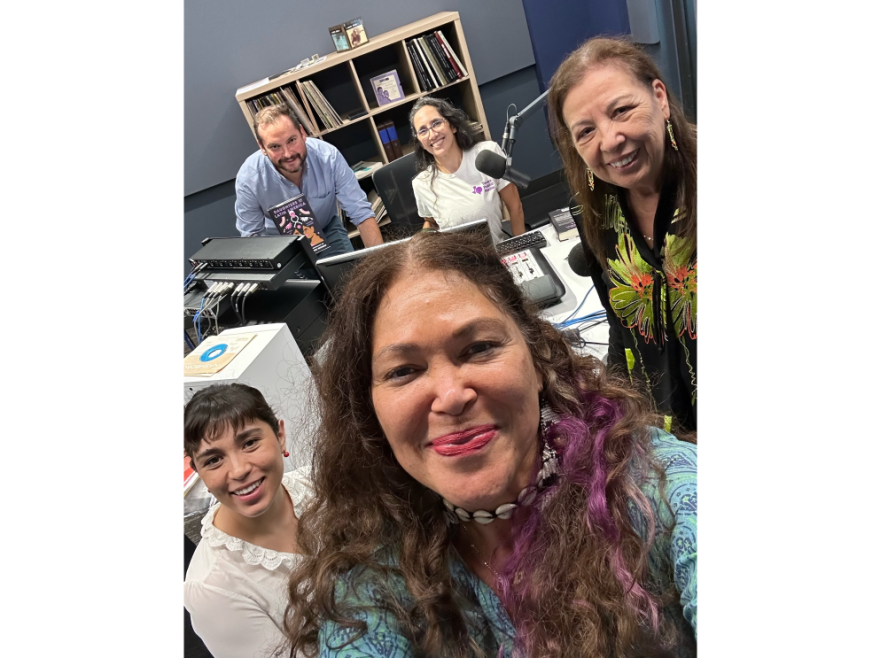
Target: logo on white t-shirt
[{"x": 488, "y": 186}]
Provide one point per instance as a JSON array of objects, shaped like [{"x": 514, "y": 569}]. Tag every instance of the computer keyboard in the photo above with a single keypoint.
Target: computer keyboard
[{"x": 531, "y": 240}]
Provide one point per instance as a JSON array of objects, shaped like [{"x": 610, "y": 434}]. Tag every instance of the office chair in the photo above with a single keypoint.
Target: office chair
[{"x": 394, "y": 185}]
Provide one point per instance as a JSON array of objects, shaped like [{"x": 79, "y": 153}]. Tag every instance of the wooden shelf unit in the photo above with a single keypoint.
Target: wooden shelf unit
[{"x": 344, "y": 79}]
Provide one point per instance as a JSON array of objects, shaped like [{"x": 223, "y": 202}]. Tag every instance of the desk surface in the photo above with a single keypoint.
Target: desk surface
[{"x": 576, "y": 287}]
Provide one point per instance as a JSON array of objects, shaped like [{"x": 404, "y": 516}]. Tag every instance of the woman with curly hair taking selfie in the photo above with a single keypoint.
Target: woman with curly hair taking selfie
[{"x": 480, "y": 489}]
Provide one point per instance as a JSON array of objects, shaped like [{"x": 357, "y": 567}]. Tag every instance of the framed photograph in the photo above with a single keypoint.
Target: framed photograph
[
  {"x": 340, "y": 38},
  {"x": 387, "y": 88},
  {"x": 357, "y": 36}
]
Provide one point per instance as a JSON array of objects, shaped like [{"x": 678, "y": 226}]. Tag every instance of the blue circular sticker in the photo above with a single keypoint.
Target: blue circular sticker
[{"x": 214, "y": 352}]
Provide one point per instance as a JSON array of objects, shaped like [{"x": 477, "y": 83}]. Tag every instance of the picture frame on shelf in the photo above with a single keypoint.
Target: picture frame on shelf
[
  {"x": 357, "y": 36},
  {"x": 387, "y": 88},
  {"x": 340, "y": 38}
]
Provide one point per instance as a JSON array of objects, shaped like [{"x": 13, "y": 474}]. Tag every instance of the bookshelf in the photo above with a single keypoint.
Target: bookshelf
[{"x": 344, "y": 80}]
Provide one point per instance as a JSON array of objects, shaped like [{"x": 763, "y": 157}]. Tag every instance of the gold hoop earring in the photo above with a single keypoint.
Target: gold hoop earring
[
  {"x": 590, "y": 180},
  {"x": 671, "y": 135}
]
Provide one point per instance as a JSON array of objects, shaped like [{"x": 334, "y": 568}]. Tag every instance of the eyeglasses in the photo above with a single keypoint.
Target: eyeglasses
[{"x": 435, "y": 125}]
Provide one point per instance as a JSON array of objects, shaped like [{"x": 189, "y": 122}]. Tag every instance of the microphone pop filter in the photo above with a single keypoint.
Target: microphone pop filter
[
  {"x": 577, "y": 261},
  {"x": 491, "y": 164}
]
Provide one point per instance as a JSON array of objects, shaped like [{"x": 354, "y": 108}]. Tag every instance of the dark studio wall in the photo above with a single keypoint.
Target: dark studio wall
[{"x": 557, "y": 27}]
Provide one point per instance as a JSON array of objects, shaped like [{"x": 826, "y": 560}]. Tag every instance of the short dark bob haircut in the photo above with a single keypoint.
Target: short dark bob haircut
[{"x": 214, "y": 409}]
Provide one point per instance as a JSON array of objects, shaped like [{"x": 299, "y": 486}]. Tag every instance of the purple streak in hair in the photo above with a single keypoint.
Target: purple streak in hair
[{"x": 580, "y": 446}]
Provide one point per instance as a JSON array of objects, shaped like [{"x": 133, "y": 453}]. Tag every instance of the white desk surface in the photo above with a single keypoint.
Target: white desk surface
[{"x": 576, "y": 287}]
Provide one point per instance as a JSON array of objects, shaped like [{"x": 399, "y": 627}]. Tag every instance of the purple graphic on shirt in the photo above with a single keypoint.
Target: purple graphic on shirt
[{"x": 487, "y": 186}]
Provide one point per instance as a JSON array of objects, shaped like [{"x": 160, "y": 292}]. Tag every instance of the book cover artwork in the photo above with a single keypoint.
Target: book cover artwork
[
  {"x": 387, "y": 88},
  {"x": 340, "y": 38},
  {"x": 295, "y": 217},
  {"x": 357, "y": 36}
]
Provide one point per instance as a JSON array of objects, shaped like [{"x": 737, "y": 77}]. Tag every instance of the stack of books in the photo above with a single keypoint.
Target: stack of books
[
  {"x": 324, "y": 111},
  {"x": 379, "y": 211},
  {"x": 282, "y": 96},
  {"x": 435, "y": 62},
  {"x": 390, "y": 142},
  {"x": 377, "y": 204},
  {"x": 364, "y": 169},
  {"x": 563, "y": 222}
]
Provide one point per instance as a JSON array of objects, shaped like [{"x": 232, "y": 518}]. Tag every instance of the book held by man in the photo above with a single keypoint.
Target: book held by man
[{"x": 295, "y": 217}]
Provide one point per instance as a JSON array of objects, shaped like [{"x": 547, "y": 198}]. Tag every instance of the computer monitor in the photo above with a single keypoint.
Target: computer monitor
[
  {"x": 333, "y": 270},
  {"x": 479, "y": 226}
]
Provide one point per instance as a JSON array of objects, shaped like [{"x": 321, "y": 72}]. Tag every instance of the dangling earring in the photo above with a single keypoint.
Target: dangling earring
[
  {"x": 550, "y": 462},
  {"x": 590, "y": 181},
  {"x": 671, "y": 135},
  {"x": 285, "y": 453},
  {"x": 548, "y": 417}
]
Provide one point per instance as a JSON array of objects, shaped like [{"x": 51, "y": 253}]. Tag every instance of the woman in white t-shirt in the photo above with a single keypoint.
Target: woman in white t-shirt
[
  {"x": 236, "y": 584},
  {"x": 449, "y": 190}
]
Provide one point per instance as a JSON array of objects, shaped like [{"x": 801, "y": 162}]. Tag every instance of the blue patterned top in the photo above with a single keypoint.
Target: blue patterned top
[{"x": 674, "y": 554}]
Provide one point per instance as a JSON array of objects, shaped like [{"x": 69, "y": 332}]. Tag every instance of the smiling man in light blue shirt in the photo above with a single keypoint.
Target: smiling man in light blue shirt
[{"x": 288, "y": 164}]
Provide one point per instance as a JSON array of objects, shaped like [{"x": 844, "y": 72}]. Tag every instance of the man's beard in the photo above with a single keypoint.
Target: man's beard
[{"x": 293, "y": 167}]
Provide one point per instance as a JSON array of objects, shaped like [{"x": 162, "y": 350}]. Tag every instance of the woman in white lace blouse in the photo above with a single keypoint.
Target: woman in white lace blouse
[{"x": 235, "y": 587}]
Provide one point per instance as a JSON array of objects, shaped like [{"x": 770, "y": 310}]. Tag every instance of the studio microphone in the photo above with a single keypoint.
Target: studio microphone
[
  {"x": 577, "y": 260},
  {"x": 577, "y": 257},
  {"x": 495, "y": 166}
]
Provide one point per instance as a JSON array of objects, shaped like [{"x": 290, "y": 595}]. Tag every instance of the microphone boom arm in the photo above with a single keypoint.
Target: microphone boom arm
[{"x": 514, "y": 122}]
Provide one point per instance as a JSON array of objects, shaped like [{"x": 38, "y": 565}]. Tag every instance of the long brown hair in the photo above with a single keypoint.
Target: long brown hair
[
  {"x": 680, "y": 166},
  {"x": 365, "y": 501},
  {"x": 465, "y": 134}
]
